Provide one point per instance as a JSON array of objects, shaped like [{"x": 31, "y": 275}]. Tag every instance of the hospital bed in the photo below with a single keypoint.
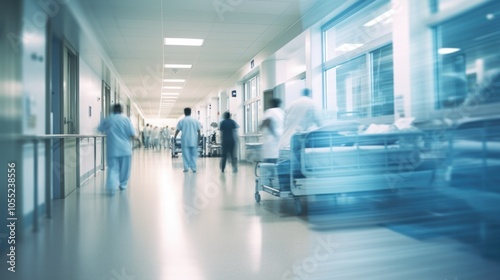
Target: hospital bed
[
  {"x": 332, "y": 161},
  {"x": 473, "y": 155},
  {"x": 176, "y": 148}
]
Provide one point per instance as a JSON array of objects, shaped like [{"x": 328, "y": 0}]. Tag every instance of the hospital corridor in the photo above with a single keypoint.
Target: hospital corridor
[
  {"x": 206, "y": 225},
  {"x": 249, "y": 139}
]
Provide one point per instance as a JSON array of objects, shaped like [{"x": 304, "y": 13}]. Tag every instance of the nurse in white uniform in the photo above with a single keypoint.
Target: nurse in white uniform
[
  {"x": 272, "y": 129},
  {"x": 302, "y": 115}
]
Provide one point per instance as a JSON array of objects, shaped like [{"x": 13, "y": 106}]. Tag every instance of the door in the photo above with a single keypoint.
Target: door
[
  {"x": 106, "y": 96},
  {"x": 71, "y": 147},
  {"x": 106, "y": 106}
]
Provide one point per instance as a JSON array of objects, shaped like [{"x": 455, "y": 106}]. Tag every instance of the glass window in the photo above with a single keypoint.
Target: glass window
[
  {"x": 365, "y": 26},
  {"x": 382, "y": 101},
  {"x": 351, "y": 88},
  {"x": 468, "y": 58},
  {"x": 252, "y": 105},
  {"x": 359, "y": 71},
  {"x": 360, "y": 91},
  {"x": 248, "y": 116}
]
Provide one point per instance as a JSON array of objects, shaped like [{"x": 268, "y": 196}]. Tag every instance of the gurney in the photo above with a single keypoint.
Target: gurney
[
  {"x": 329, "y": 161},
  {"x": 175, "y": 146}
]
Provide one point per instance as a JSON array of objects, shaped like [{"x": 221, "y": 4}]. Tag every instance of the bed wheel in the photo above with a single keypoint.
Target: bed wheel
[
  {"x": 298, "y": 206},
  {"x": 257, "y": 197}
]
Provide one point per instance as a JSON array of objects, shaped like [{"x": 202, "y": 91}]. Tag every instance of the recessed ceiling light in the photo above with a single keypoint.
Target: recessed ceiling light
[
  {"x": 169, "y": 87},
  {"x": 168, "y": 97},
  {"x": 174, "y": 80},
  {"x": 383, "y": 17},
  {"x": 169, "y": 93},
  {"x": 178, "y": 66},
  {"x": 183, "y": 42},
  {"x": 347, "y": 47}
]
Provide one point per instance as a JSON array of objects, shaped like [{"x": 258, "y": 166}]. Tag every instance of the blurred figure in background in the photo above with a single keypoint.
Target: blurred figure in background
[
  {"x": 164, "y": 136},
  {"x": 228, "y": 129},
  {"x": 190, "y": 128},
  {"x": 147, "y": 136},
  {"x": 272, "y": 129},
  {"x": 119, "y": 133},
  {"x": 155, "y": 136},
  {"x": 301, "y": 115}
]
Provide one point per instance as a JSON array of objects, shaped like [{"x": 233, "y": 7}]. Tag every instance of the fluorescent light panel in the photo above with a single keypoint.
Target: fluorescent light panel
[
  {"x": 178, "y": 66},
  {"x": 183, "y": 42},
  {"x": 170, "y": 94},
  {"x": 384, "y": 16},
  {"x": 347, "y": 47},
  {"x": 447, "y": 50},
  {"x": 174, "y": 80},
  {"x": 170, "y": 87}
]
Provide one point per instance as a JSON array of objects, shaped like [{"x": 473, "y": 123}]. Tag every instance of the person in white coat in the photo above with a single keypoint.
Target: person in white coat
[
  {"x": 300, "y": 116},
  {"x": 272, "y": 129}
]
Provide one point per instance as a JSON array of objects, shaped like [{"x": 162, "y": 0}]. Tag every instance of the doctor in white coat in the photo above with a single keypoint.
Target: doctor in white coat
[
  {"x": 300, "y": 116},
  {"x": 272, "y": 130}
]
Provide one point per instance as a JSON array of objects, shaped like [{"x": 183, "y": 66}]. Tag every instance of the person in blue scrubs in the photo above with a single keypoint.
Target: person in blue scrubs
[
  {"x": 119, "y": 133},
  {"x": 190, "y": 128},
  {"x": 229, "y": 136}
]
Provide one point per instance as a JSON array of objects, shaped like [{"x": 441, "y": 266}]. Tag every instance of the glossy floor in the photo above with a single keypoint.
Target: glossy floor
[{"x": 207, "y": 225}]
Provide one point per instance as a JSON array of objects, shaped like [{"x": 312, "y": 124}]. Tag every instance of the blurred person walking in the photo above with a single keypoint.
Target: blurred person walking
[
  {"x": 228, "y": 128},
  {"x": 147, "y": 136},
  {"x": 119, "y": 133},
  {"x": 272, "y": 129},
  {"x": 163, "y": 137},
  {"x": 155, "y": 136},
  {"x": 190, "y": 129},
  {"x": 300, "y": 116}
]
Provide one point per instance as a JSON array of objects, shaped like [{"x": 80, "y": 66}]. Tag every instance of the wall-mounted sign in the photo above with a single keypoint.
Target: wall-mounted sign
[
  {"x": 233, "y": 93},
  {"x": 252, "y": 64}
]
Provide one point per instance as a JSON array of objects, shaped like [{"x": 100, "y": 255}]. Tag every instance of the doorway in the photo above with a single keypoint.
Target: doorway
[{"x": 69, "y": 123}]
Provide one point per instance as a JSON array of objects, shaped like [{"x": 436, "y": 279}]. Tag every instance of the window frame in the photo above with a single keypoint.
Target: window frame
[
  {"x": 366, "y": 50},
  {"x": 251, "y": 126},
  {"x": 434, "y": 22}
]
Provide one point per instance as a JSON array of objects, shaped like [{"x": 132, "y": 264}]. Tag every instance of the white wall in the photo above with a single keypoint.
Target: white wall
[
  {"x": 33, "y": 115},
  {"x": 90, "y": 96}
]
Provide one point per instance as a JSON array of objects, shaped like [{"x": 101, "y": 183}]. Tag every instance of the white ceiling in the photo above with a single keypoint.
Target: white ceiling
[{"x": 131, "y": 32}]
